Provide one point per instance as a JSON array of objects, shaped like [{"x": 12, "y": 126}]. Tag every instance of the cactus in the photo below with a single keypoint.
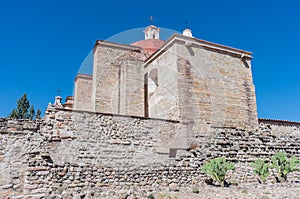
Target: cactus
[
  {"x": 283, "y": 165},
  {"x": 261, "y": 168},
  {"x": 217, "y": 169},
  {"x": 151, "y": 196}
]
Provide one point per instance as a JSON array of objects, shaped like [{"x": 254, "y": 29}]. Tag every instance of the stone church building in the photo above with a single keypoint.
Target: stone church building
[{"x": 185, "y": 79}]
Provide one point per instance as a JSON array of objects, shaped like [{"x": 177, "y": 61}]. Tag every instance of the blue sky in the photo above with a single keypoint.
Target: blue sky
[{"x": 43, "y": 43}]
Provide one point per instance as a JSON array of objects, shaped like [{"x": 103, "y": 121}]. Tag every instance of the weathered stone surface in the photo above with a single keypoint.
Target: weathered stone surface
[
  {"x": 208, "y": 87},
  {"x": 118, "y": 85},
  {"x": 91, "y": 166},
  {"x": 191, "y": 80},
  {"x": 83, "y": 92}
]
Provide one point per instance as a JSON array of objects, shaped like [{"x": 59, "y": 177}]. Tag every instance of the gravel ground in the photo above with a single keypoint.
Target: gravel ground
[{"x": 245, "y": 191}]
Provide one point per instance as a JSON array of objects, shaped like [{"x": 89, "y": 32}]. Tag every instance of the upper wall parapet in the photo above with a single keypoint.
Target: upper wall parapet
[
  {"x": 8, "y": 125},
  {"x": 281, "y": 127},
  {"x": 192, "y": 41},
  {"x": 279, "y": 122},
  {"x": 116, "y": 45}
]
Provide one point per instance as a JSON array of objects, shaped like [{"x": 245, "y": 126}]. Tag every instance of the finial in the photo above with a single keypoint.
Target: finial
[
  {"x": 186, "y": 24},
  {"x": 151, "y": 19},
  {"x": 58, "y": 92}
]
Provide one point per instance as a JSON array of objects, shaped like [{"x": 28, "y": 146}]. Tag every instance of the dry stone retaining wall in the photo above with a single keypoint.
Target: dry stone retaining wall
[{"x": 82, "y": 154}]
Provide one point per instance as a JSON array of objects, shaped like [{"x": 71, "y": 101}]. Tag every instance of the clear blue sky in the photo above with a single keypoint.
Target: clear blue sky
[{"x": 43, "y": 43}]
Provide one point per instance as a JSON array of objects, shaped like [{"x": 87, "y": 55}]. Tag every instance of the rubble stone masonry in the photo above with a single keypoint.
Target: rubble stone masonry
[{"x": 75, "y": 154}]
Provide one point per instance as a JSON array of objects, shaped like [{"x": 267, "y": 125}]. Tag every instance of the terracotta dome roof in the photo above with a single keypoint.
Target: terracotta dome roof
[{"x": 149, "y": 45}]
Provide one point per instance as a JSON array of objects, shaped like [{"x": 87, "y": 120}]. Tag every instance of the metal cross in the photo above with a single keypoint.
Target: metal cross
[
  {"x": 151, "y": 19},
  {"x": 186, "y": 24}
]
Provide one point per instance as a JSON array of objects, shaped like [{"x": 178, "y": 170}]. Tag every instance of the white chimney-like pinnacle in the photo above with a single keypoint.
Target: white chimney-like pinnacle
[
  {"x": 151, "y": 32},
  {"x": 187, "y": 32},
  {"x": 57, "y": 102}
]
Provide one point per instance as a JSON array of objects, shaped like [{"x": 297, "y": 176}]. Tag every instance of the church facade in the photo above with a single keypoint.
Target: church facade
[{"x": 184, "y": 79}]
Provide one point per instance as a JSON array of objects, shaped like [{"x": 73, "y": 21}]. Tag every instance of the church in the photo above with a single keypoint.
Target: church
[{"x": 183, "y": 78}]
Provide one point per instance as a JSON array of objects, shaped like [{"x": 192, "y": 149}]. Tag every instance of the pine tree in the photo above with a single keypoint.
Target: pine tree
[
  {"x": 13, "y": 114},
  {"x": 38, "y": 114},
  {"x": 31, "y": 113},
  {"x": 24, "y": 110},
  {"x": 23, "y": 106}
]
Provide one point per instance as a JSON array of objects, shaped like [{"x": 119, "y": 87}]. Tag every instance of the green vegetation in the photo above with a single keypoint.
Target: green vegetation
[
  {"x": 244, "y": 191},
  {"x": 217, "y": 169},
  {"x": 261, "y": 168},
  {"x": 24, "y": 110},
  {"x": 284, "y": 165},
  {"x": 195, "y": 190},
  {"x": 280, "y": 162},
  {"x": 166, "y": 196},
  {"x": 38, "y": 114}
]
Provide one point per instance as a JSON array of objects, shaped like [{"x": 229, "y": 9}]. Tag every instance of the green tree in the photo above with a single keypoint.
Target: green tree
[
  {"x": 31, "y": 112},
  {"x": 217, "y": 169},
  {"x": 13, "y": 114},
  {"x": 24, "y": 110},
  {"x": 22, "y": 107},
  {"x": 38, "y": 114}
]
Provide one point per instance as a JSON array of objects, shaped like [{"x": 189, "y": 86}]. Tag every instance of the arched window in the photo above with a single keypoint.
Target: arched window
[{"x": 154, "y": 76}]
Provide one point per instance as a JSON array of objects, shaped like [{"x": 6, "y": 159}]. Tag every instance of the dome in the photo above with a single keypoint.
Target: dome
[{"x": 149, "y": 45}]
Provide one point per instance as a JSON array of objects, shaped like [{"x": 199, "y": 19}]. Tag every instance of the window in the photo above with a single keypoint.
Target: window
[{"x": 153, "y": 76}]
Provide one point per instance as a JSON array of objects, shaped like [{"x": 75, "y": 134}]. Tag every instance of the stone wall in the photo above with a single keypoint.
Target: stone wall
[
  {"x": 243, "y": 147},
  {"x": 17, "y": 140},
  {"x": 112, "y": 140},
  {"x": 163, "y": 94},
  {"x": 118, "y": 79},
  {"x": 282, "y": 127},
  {"x": 83, "y": 86},
  {"x": 205, "y": 83},
  {"x": 73, "y": 154},
  {"x": 217, "y": 84}
]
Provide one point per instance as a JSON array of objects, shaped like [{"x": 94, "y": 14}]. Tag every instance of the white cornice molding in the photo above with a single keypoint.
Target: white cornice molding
[{"x": 116, "y": 45}]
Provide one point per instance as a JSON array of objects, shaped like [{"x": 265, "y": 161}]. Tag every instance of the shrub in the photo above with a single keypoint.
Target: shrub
[
  {"x": 261, "y": 168},
  {"x": 244, "y": 191},
  {"x": 151, "y": 196},
  {"x": 283, "y": 165},
  {"x": 217, "y": 169},
  {"x": 195, "y": 190}
]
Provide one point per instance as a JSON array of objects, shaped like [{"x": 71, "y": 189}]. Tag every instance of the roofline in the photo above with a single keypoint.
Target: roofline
[
  {"x": 210, "y": 45},
  {"x": 133, "y": 44},
  {"x": 278, "y": 121},
  {"x": 220, "y": 46},
  {"x": 116, "y": 45},
  {"x": 83, "y": 76}
]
